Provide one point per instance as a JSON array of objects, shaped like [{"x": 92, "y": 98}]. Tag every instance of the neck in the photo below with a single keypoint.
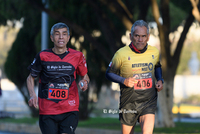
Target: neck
[
  {"x": 136, "y": 50},
  {"x": 59, "y": 50}
]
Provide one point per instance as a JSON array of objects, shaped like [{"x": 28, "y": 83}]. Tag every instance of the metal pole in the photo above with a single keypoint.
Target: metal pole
[{"x": 44, "y": 38}]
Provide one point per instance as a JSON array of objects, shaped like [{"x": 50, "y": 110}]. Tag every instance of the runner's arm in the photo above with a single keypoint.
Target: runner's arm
[
  {"x": 158, "y": 73},
  {"x": 33, "y": 98},
  {"x": 85, "y": 81},
  {"x": 114, "y": 77}
]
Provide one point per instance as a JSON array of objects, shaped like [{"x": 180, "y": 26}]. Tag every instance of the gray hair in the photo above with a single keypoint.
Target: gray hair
[
  {"x": 139, "y": 23},
  {"x": 58, "y": 26}
]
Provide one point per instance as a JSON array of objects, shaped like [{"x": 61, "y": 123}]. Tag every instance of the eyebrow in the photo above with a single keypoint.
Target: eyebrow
[{"x": 58, "y": 32}]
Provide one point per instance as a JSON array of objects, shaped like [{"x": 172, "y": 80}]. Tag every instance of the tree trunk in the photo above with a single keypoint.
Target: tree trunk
[{"x": 164, "y": 113}]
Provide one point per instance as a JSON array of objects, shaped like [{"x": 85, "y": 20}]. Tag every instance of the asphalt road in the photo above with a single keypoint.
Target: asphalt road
[{"x": 11, "y": 133}]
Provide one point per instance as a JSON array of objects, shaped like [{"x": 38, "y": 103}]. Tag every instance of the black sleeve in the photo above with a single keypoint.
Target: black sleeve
[
  {"x": 114, "y": 77},
  {"x": 158, "y": 73},
  {"x": 36, "y": 66}
]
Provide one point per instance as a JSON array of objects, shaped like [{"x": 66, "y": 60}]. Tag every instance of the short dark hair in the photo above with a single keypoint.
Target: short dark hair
[{"x": 58, "y": 26}]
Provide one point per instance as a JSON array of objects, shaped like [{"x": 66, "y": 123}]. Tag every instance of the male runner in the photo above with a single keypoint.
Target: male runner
[
  {"x": 133, "y": 67},
  {"x": 58, "y": 93}
]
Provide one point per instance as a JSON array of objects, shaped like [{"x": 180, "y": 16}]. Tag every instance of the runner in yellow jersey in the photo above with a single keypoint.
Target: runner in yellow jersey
[{"x": 137, "y": 68}]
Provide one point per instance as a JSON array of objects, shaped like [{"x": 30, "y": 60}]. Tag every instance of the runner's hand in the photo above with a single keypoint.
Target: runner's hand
[
  {"x": 129, "y": 82},
  {"x": 33, "y": 101},
  {"x": 83, "y": 84},
  {"x": 159, "y": 85}
]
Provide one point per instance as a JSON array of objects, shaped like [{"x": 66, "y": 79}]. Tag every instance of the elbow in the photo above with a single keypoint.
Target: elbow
[{"x": 107, "y": 75}]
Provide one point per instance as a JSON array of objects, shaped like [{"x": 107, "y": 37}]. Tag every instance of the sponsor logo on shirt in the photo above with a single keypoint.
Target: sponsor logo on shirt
[
  {"x": 59, "y": 67},
  {"x": 51, "y": 85},
  {"x": 143, "y": 66},
  {"x": 72, "y": 102}
]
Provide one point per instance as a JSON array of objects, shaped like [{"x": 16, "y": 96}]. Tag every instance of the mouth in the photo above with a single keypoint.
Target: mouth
[
  {"x": 61, "y": 42},
  {"x": 140, "y": 44}
]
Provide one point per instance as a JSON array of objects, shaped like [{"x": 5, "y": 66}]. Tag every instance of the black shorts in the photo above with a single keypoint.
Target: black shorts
[
  {"x": 58, "y": 124},
  {"x": 130, "y": 117}
]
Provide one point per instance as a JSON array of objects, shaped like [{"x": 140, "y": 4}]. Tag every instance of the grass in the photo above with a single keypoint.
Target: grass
[
  {"x": 101, "y": 123},
  {"x": 19, "y": 120},
  {"x": 114, "y": 124}
]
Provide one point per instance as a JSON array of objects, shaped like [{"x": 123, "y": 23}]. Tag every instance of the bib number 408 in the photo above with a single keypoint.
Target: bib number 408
[
  {"x": 60, "y": 94},
  {"x": 143, "y": 84}
]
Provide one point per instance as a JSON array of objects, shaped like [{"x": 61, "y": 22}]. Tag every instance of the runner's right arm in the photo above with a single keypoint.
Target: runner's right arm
[
  {"x": 129, "y": 82},
  {"x": 33, "y": 101},
  {"x": 114, "y": 77}
]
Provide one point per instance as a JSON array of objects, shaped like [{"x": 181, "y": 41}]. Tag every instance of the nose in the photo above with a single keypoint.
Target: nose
[
  {"x": 61, "y": 36},
  {"x": 140, "y": 38}
]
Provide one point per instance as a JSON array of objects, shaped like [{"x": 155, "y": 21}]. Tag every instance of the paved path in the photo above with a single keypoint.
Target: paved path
[{"x": 11, "y": 133}]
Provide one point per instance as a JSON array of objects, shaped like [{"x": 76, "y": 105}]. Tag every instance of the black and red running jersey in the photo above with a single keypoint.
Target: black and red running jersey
[{"x": 58, "y": 70}]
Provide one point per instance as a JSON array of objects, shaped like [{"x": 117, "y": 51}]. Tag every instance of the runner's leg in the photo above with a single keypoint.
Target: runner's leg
[
  {"x": 47, "y": 124},
  {"x": 127, "y": 129},
  {"x": 68, "y": 122},
  {"x": 147, "y": 123}
]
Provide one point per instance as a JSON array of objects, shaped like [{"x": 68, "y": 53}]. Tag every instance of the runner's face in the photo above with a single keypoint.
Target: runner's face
[
  {"x": 139, "y": 37},
  {"x": 60, "y": 38}
]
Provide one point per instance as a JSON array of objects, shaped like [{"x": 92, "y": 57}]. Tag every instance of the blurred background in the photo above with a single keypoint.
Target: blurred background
[{"x": 98, "y": 29}]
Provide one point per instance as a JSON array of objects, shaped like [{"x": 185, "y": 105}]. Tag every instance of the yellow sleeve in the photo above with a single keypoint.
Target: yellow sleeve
[{"x": 116, "y": 63}]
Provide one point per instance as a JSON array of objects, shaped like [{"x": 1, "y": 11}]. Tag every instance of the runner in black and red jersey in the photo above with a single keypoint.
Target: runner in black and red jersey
[
  {"x": 58, "y": 93},
  {"x": 135, "y": 67}
]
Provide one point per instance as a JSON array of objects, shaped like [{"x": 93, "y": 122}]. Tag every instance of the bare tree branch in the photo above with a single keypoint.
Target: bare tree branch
[
  {"x": 144, "y": 5},
  {"x": 128, "y": 13},
  {"x": 156, "y": 12},
  {"x": 121, "y": 11},
  {"x": 107, "y": 26},
  {"x": 179, "y": 47},
  {"x": 195, "y": 10},
  {"x": 164, "y": 52}
]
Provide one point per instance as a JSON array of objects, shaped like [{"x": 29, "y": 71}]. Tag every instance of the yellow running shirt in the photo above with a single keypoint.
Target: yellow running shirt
[{"x": 127, "y": 63}]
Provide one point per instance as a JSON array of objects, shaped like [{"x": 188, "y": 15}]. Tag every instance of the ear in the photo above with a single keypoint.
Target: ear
[
  {"x": 130, "y": 36},
  {"x": 51, "y": 38},
  {"x": 68, "y": 37}
]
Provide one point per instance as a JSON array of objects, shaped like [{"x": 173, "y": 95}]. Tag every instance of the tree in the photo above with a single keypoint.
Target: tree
[
  {"x": 169, "y": 61},
  {"x": 102, "y": 23},
  {"x": 23, "y": 49}
]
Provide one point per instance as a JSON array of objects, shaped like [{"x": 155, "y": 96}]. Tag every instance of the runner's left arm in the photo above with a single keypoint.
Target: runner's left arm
[
  {"x": 84, "y": 82},
  {"x": 158, "y": 75},
  {"x": 158, "y": 72}
]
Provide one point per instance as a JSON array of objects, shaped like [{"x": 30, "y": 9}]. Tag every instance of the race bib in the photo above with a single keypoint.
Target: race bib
[
  {"x": 58, "y": 91},
  {"x": 144, "y": 81}
]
